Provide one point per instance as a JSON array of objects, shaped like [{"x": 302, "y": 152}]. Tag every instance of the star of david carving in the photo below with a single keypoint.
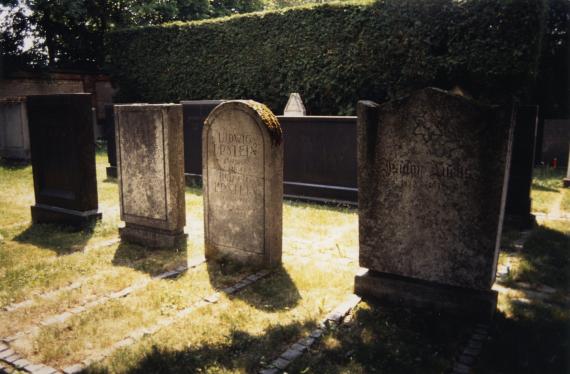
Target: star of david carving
[{"x": 427, "y": 132}]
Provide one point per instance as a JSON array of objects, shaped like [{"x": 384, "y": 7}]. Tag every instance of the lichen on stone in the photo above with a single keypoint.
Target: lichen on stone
[{"x": 269, "y": 119}]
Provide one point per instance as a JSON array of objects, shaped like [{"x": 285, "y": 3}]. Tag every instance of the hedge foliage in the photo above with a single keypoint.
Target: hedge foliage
[{"x": 334, "y": 55}]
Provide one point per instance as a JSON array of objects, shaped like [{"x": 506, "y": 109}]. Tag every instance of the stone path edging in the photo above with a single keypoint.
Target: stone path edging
[
  {"x": 468, "y": 357},
  {"x": 297, "y": 349}
]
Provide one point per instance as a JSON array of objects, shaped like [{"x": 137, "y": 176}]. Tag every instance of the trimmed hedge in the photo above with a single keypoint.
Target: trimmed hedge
[{"x": 334, "y": 55}]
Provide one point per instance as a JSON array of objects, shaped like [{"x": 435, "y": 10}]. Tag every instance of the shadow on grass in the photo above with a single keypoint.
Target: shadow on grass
[
  {"x": 545, "y": 259},
  {"x": 539, "y": 187},
  {"x": 326, "y": 206},
  {"x": 535, "y": 339},
  {"x": 241, "y": 352},
  {"x": 273, "y": 293},
  {"x": 63, "y": 240},
  {"x": 381, "y": 339},
  {"x": 152, "y": 261},
  {"x": 14, "y": 164}
]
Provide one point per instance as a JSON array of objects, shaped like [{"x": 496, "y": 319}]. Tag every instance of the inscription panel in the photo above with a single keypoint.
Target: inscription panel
[
  {"x": 235, "y": 169},
  {"x": 143, "y": 187}
]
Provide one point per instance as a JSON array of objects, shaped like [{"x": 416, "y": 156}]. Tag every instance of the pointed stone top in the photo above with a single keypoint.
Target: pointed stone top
[{"x": 294, "y": 107}]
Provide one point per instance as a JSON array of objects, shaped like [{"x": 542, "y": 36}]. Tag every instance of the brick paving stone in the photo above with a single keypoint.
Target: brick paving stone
[
  {"x": 13, "y": 358},
  {"x": 229, "y": 290},
  {"x": 3, "y": 347},
  {"x": 73, "y": 369},
  {"x": 46, "y": 370},
  {"x": 478, "y": 337},
  {"x": 6, "y": 353},
  {"x": 22, "y": 363},
  {"x": 34, "y": 367},
  {"x": 291, "y": 354},
  {"x": 471, "y": 351},
  {"x": 298, "y": 347},
  {"x": 78, "y": 309},
  {"x": 280, "y": 363},
  {"x": 269, "y": 371},
  {"x": 122, "y": 293},
  {"x": 307, "y": 342}
]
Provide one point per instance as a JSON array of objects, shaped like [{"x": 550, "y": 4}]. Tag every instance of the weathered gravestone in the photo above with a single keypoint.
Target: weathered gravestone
[
  {"x": 518, "y": 207},
  {"x": 566, "y": 181},
  {"x": 63, "y": 159},
  {"x": 150, "y": 162},
  {"x": 14, "y": 134},
  {"x": 294, "y": 106},
  {"x": 432, "y": 181},
  {"x": 243, "y": 183}
]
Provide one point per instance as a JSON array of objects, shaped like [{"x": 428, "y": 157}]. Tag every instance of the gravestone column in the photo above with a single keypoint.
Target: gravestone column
[
  {"x": 63, "y": 159},
  {"x": 432, "y": 171},
  {"x": 243, "y": 183},
  {"x": 14, "y": 133},
  {"x": 150, "y": 163}
]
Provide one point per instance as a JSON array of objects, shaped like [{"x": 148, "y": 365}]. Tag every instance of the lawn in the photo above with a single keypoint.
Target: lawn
[{"x": 46, "y": 271}]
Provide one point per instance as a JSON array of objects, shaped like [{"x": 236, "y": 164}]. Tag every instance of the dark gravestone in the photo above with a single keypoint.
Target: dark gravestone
[
  {"x": 518, "y": 207},
  {"x": 432, "y": 173},
  {"x": 109, "y": 133},
  {"x": 195, "y": 113},
  {"x": 63, "y": 159},
  {"x": 555, "y": 138},
  {"x": 320, "y": 158}
]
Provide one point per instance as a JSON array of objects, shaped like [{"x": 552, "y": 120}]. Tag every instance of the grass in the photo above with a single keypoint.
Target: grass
[
  {"x": 547, "y": 191},
  {"x": 241, "y": 333}
]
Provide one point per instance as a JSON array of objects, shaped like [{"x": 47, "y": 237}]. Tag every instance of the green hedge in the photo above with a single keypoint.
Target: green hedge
[{"x": 334, "y": 55}]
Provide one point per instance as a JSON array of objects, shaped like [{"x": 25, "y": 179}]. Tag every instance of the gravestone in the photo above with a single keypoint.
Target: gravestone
[
  {"x": 294, "y": 106},
  {"x": 150, "y": 162},
  {"x": 566, "y": 181},
  {"x": 14, "y": 134},
  {"x": 109, "y": 133},
  {"x": 242, "y": 174},
  {"x": 63, "y": 159},
  {"x": 518, "y": 207},
  {"x": 432, "y": 171},
  {"x": 195, "y": 113}
]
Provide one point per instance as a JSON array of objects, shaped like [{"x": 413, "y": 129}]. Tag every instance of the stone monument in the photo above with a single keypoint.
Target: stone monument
[
  {"x": 63, "y": 159},
  {"x": 294, "y": 106},
  {"x": 242, "y": 153},
  {"x": 14, "y": 133},
  {"x": 150, "y": 164},
  {"x": 518, "y": 207},
  {"x": 432, "y": 171},
  {"x": 566, "y": 181}
]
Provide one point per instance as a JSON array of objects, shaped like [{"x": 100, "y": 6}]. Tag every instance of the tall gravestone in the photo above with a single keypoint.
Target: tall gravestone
[
  {"x": 294, "y": 106},
  {"x": 63, "y": 159},
  {"x": 243, "y": 183},
  {"x": 518, "y": 208},
  {"x": 433, "y": 169},
  {"x": 14, "y": 133},
  {"x": 150, "y": 162}
]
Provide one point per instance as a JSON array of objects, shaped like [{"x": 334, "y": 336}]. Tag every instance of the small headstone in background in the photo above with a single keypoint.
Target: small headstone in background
[
  {"x": 14, "y": 134},
  {"x": 294, "y": 106},
  {"x": 63, "y": 159},
  {"x": 150, "y": 165},
  {"x": 432, "y": 183},
  {"x": 566, "y": 181},
  {"x": 242, "y": 155}
]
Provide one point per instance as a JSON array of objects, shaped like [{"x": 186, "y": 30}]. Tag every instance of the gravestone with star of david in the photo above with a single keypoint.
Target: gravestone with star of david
[{"x": 432, "y": 171}]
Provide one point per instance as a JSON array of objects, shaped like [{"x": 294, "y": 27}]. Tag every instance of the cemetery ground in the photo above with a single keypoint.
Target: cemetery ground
[{"x": 69, "y": 297}]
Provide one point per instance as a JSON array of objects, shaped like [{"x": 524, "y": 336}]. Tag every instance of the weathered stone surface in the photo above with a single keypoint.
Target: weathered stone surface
[
  {"x": 150, "y": 160},
  {"x": 14, "y": 134},
  {"x": 432, "y": 181},
  {"x": 518, "y": 206},
  {"x": 63, "y": 159},
  {"x": 243, "y": 183},
  {"x": 294, "y": 106}
]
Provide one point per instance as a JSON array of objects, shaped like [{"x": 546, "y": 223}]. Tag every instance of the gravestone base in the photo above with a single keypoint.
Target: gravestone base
[
  {"x": 111, "y": 172},
  {"x": 402, "y": 291},
  {"x": 50, "y": 214},
  {"x": 566, "y": 182},
  {"x": 152, "y": 238}
]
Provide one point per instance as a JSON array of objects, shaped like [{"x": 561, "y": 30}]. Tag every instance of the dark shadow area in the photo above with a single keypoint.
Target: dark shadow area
[
  {"x": 194, "y": 190},
  {"x": 152, "y": 261},
  {"x": 14, "y": 164},
  {"x": 324, "y": 206},
  {"x": 242, "y": 352},
  {"x": 110, "y": 180},
  {"x": 381, "y": 339},
  {"x": 536, "y": 339},
  {"x": 546, "y": 260},
  {"x": 64, "y": 240},
  {"x": 272, "y": 293}
]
